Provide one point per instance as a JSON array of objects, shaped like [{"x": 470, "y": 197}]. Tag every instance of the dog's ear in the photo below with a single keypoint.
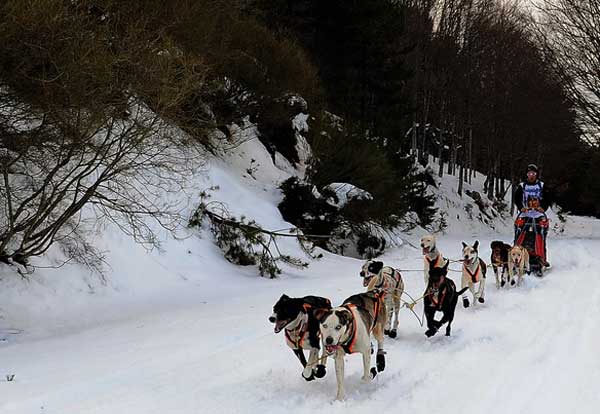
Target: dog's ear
[
  {"x": 284, "y": 297},
  {"x": 375, "y": 267},
  {"x": 343, "y": 316},
  {"x": 464, "y": 244},
  {"x": 476, "y": 245},
  {"x": 445, "y": 267},
  {"x": 321, "y": 313}
]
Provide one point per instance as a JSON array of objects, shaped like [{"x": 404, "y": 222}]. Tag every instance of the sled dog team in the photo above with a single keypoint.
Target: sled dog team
[{"x": 311, "y": 323}]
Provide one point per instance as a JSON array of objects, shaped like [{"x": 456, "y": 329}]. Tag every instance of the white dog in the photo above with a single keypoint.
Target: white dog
[
  {"x": 473, "y": 274},
  {"x": 378, "y": 276},
  {"x": 347, "y": 329},
  {"x": 518, "y": 262},
  {"x": 432, "y": 256}
]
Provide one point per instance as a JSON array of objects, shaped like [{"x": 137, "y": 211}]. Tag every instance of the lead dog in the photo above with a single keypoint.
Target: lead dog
[
  {"x": 431, "y": 255},
  {"x": 296, "y": 316},
  {"x": 499, "y": 261},
  {"x": 518, "y": 261},
  {"x": 473, "y": 274},
  {"x": 378, "y": 276},
  {"x": 347, "y": 329},
  {"x": 440, "y": 296}
]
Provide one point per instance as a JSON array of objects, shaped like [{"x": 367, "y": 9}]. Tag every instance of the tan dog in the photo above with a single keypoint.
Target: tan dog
[
  {"x": 347, "y": 330},
  {"x": 431, "y": 255},
  {"x": 378, "y": 276},
  {"x": 518, "y": 262}
]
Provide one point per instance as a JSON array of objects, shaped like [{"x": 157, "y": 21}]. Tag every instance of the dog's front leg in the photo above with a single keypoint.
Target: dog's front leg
[
  {"x": 367, "y": 376},
  {"x": 388, "y": 319},
  {"x": 339, "y": 374},
  {"x": 312, "y": 369},
  {"x": 464, "y": 282},
  {"x": 481, "y": 292},
  {"x": 395, "y": 310},
  {"x": 498, "y": 278},
  {"x": 511, "y": 274},
  {"x": 307, "y": 373},
  {"x": 431, "y": 325}
]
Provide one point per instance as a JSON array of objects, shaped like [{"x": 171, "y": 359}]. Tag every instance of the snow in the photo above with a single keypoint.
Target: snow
[
  {"x": 346, "y": 192},
  {"x": 181, "y": 330}
]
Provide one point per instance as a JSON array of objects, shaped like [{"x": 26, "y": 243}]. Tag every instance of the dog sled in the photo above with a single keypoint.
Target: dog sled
[{"x": 530, "y": 232}]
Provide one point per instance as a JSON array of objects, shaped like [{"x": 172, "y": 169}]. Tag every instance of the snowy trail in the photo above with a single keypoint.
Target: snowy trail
[{"x": 527, "y": 350}]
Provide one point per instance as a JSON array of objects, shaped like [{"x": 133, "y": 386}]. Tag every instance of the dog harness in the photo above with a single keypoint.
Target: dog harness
[
  {"x": 348, "y": 347},
  {"x": 295, "y": 337},
  {"x": 437, "y": 303},
  {"x": 474, "y": 275},
  {"x": 383, "y": 284}
]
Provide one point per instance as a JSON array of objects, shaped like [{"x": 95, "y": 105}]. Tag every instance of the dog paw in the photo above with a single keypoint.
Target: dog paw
[
  {"x": 373, "y": 372},
  {"x": 310, "y": 378},
  {"x": 503, "y": 283},
  {"x": 393, "y": 333},
  {"x": 380, "y": 362},
  {"x": 466, "y": 303},
  {"x": 430, "y": 332},
  {"x": 512, "y": 282},
  {"x": 481, "y": 300},
  {"x": 386, "y": 331}
]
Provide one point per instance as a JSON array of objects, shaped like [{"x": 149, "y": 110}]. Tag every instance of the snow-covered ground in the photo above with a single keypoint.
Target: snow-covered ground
[{"x": 184, "y": 331}]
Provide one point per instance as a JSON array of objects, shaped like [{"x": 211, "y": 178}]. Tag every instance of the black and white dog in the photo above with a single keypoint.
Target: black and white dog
[
  {"x": 440, "y": 296},
  {"x": 296, "y": 316},
  {"x": 473, "y": 274},
  {"x": 347, "y": 329},
  {"x": 377, "y": 276}
]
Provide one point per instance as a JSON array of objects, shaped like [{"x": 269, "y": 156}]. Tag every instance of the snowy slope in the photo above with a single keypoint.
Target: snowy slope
[{"x": 184, "y": 331}]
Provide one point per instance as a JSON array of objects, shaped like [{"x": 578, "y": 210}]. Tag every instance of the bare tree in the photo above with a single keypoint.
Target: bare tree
[
  {"x": 83, "y": 123},
  {"x": 570, "y": 30}
]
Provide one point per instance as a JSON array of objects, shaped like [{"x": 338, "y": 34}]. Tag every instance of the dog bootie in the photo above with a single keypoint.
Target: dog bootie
[
  {"x": 481, "y": 300},
  {"x": 503, "y": 283},
  {"x": 465, "y": 302},
  {"x": 380, "y": 360},
  {"x": 320, "y": 371},
  {"x": 373, "y": 372},
  {"x": 393, "y": 333},
  {"x": 386, "y": 332},
  {"x": 430, "y": 332}
]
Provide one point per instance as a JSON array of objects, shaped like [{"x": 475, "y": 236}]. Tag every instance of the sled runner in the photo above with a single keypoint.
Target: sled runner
[{"x": 530, "y": 232}]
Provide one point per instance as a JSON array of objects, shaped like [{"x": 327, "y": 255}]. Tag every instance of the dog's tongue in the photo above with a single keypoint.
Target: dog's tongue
[
  {"x": 279, "y": 326},
  {"x": 425, "y": 250},
  {"x": 366, "y": 281},
  {"x": 331, "y": 348}
]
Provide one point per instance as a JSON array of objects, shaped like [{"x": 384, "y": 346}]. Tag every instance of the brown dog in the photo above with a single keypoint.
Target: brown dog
[{"x": 499, "y": 261}]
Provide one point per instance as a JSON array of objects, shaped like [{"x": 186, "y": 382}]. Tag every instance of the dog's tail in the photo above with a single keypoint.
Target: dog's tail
[{"x": 463, "y": 290}]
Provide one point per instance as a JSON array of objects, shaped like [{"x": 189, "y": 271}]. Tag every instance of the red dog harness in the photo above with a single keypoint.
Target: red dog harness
[
  {"x": 437, "y": 303},
  {"x": 348, "y": 347},
  {"x": 474, "y": 275}
]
